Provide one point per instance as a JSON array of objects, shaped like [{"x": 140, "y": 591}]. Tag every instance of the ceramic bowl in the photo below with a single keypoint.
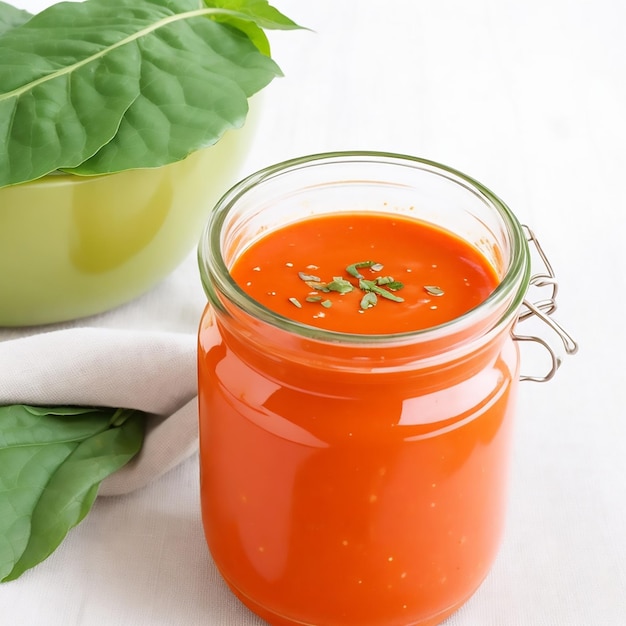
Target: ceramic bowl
[{"x": 75, "y": 246}]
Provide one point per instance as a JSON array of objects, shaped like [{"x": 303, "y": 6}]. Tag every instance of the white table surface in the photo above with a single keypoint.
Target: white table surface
[{"x": 530, "y": 99}]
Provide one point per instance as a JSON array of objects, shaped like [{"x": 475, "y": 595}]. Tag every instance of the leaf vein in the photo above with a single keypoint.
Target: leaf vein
[{"x": 18, "y": 91}]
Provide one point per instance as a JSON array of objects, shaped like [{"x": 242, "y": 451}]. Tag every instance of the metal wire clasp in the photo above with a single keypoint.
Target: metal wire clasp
[{"x": 542, "y": 310}]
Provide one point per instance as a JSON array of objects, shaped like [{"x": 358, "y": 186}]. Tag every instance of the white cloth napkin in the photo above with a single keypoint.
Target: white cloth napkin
[{"x": 151, "y": 371}]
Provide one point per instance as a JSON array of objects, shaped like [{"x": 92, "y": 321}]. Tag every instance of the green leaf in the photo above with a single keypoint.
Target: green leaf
[
  {"x": 108, "y": 85},
  {"x": 260, "y": 11},
  {"x": 56, "y": 410},
  {"x": 52, "y": 462},
  {"x": 10, "y": 17},
  {"x": 265, "y": 16}
]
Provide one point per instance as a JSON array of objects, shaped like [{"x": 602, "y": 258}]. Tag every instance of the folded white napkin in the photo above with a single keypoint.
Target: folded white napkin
[{"x": 151, "y": 371}]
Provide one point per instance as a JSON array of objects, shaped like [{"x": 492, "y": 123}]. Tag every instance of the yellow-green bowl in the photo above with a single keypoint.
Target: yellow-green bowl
[{"x": 74, "y": 246}]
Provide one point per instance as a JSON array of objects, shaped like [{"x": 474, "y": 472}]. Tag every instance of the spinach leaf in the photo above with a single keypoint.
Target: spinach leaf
[
  {"x": 52, "y": 461},
  {"x": 10, "y": 17},
  {"x": 107, "y": 85}
]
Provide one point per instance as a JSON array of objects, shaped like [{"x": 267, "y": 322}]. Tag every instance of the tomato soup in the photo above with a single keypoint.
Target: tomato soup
[
  {"x": 357, "y": 379},
  {"x": 318, "y": 272}
]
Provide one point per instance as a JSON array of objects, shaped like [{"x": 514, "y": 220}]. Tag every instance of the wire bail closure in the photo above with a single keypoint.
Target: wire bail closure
[{"x": 543, "y": 309}]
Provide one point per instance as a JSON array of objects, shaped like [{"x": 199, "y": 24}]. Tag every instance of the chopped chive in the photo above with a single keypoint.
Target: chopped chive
[
  {"x": 327, "y": 304},
  {"x": 295, "y": 302},
  {"x": 313, "y": 298}
]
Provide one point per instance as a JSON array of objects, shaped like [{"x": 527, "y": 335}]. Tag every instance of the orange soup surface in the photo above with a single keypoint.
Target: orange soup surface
[
  {"x": 354, "y": 498},
  {"x": 406, "y": 275}
]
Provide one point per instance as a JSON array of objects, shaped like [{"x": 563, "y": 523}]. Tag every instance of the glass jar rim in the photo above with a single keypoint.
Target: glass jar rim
[{"x": 214, "y": 270}]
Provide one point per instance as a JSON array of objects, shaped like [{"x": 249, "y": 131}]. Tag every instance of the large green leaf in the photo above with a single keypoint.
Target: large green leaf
[
  {"x": 264, "y": 16},
  {"x": 107, "y": 85},
  {"x": 10, "y": 17},
  {"x": 52, "y": 461}
]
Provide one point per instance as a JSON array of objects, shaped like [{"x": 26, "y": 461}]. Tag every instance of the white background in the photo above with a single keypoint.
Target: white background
[{"x": 530, "y": 99}]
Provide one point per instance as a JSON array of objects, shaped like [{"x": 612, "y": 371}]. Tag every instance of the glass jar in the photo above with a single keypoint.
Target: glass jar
[{"x": 356, "y": 479}]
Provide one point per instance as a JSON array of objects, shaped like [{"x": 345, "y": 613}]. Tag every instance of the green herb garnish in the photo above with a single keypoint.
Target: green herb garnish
[
  {"x": 307, "y": 278},
  {"x": 340, "y": 285},
  {"x": 389, "y": 283},
  {"x": 381, "y": 286},
  {"x": 369, "y": 300},
  {"x": 433, "y": 290},
  {"x": 370, "y": 285},
  {"x": 353, "y": 269},
  {"x": 384, "y": 280},
  {"x": 395, "y": 285},
  {"x": 316, "y": 286}
]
